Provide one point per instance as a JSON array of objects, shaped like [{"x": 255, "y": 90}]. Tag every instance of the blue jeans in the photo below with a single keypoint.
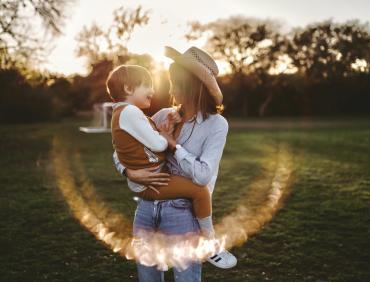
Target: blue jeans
[{"x": 170, "y": 217}]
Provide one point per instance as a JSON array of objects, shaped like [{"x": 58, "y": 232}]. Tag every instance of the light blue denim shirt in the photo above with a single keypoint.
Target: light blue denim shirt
[{"x": 200, "y": 155}]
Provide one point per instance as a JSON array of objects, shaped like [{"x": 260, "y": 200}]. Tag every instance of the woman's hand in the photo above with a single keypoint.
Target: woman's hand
[{"x": 148, "y": 176}]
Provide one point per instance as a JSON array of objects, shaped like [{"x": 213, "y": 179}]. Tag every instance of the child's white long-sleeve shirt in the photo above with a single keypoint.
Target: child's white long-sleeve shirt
[{"x": 133, "y": 121}]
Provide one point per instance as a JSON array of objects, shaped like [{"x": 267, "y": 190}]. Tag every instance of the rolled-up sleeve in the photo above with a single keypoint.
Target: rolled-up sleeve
[
  {"x": 201, "y": 168},
  {"x": 119, "y": 166}
]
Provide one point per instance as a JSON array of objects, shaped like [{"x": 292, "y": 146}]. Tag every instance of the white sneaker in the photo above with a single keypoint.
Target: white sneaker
[{"x": 224, "y": 260}]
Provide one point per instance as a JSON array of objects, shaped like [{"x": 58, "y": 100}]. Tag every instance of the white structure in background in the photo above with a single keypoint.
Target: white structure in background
[{"x": 102, "y": 118}]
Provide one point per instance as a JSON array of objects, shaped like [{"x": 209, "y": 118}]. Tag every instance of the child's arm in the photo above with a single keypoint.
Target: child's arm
[{"x": 134, "y": 121}]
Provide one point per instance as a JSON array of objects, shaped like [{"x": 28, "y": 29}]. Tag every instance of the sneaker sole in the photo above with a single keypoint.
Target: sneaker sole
[{"x": 223, "y": 267}]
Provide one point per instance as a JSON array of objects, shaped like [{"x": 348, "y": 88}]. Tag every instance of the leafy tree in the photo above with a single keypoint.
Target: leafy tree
[
  {"x": 243, "y": 43},
  {"x": 97, "y": 44},
  {"x": 328, "y": 50},
  {"x": 20, "y": 101},
  {"x": 250, "y": 47},
  {"x": 20, "y": 22}
]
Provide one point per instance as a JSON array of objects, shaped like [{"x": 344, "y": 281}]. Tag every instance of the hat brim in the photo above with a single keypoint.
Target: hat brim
[
  {"x": 199, "y": 71},
  {"x": 171, "y": 53}
]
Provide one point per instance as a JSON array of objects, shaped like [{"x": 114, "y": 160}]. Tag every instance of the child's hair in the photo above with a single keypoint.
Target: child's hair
[{"x": 130, "y": 75}]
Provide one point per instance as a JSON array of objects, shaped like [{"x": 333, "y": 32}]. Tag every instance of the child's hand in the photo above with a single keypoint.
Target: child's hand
[
  {"x": 168, "y": 125},
  {"x": 165, "y": 126},
  {"x": 174, "y": 117}
]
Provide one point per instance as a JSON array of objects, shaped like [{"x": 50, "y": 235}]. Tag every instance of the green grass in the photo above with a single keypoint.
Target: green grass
[{"x": 322, "y": 233}]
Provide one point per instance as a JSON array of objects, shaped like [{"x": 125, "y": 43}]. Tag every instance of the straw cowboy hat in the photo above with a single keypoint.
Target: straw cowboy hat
[{"x": 201, "y": 64}]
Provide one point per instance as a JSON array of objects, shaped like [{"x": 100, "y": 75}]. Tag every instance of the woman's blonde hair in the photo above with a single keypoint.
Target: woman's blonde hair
[
  {"x": 194, "y": 91},
  {"x": 130, "y": 75}
]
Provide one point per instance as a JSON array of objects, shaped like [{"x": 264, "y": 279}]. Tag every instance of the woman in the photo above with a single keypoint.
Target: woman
[{"x": 195, "y": 152}]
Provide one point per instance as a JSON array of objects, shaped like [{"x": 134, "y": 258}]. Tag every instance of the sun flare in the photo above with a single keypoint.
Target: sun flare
[{"x": 263, "y": 198}]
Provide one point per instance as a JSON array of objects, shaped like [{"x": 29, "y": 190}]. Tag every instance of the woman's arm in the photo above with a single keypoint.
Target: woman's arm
[
  {"x": 145, "y": 176},
  {"x": 201, "y": 168}
]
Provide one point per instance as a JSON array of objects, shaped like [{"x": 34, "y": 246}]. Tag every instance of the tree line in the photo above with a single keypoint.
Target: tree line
[{"x": 319, "y": 70}]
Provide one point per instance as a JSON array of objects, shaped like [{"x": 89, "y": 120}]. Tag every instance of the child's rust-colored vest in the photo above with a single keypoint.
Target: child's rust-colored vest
[{"x": 131, "y": 153}]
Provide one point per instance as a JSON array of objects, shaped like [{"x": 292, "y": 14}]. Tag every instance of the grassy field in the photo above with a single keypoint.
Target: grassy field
[{"x": 322, "y": 232}]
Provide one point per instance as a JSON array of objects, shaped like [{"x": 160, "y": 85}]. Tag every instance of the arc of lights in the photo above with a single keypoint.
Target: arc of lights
[{"x": 258, "y": 206}]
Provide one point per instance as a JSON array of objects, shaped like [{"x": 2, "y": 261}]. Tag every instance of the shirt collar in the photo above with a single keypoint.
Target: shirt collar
[{"x": 199, "y": 118}]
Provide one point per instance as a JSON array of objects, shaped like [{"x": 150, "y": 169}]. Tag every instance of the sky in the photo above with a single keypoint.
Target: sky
[{"x": 168, "y": 22}]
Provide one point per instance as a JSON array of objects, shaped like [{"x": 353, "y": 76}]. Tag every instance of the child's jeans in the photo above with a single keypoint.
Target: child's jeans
[{"x": 170, "y": 217}]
